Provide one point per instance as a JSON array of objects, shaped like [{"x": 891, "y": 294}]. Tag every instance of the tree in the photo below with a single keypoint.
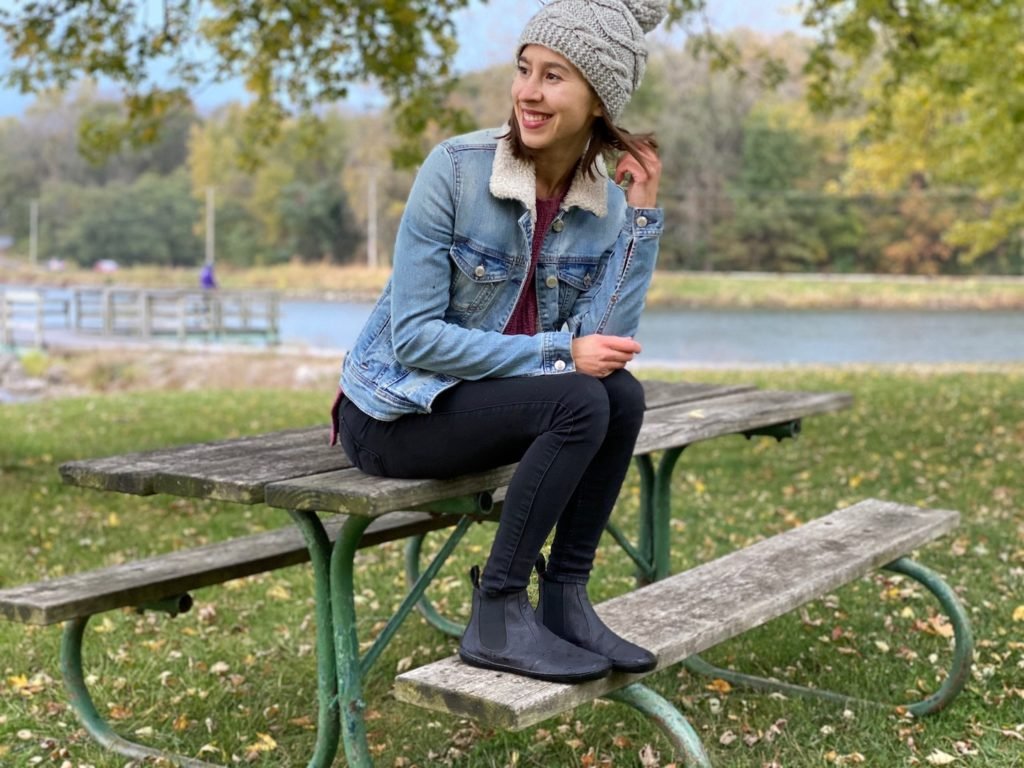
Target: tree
[
  {"x": 292, "y": 55},
  {"x": 146, "y": 222},
  {"x": 943, "y": 84},
  {"x": 292, "y": 204}
]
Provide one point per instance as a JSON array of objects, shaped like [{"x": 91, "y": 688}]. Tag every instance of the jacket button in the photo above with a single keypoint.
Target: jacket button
[
  {"x": 480, "y": 271},
  {"x": 559, "y": 365},
  {"x": 558, "y": 225},
  {"x": 641, "y": 221},
  {"x": 551, "y": 282},
  {"x": 586, "y": 280}
]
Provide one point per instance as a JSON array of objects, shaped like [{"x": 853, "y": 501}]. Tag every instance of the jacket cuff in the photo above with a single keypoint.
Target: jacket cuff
[
  {"x": 558, "y": 353},
  {"x": 645, "y": 222}
]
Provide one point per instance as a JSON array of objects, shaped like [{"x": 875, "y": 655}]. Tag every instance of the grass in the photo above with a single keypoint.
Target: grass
[
  {"x": 669, "y": 289},
  {"x": 234, "y": 679}
]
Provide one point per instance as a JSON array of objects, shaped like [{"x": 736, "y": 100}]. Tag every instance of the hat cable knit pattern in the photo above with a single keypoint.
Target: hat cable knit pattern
[{"x": 604, "y": 39}]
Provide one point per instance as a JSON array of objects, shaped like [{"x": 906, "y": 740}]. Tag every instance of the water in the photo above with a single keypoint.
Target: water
[
  {"x": 751, "y": 337},
  {"x": 733, "y": 337}
]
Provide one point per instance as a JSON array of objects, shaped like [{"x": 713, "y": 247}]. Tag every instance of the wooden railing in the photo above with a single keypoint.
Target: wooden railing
[{"x": 25, "y": 314}]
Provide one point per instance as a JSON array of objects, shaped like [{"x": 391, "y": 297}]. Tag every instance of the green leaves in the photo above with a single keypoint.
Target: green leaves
[
  {"x": 942, "y": 84},
  {"x": 292, "y": 56}
]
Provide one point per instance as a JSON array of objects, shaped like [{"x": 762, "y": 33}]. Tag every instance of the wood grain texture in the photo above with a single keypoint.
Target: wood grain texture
[
  {"x": 692, "y": 422},
  {"x": 227, "y": 470},
  {"x": 174, "y": 573},
  {"x": 351, "y": 492},
  {"x": 692, "y": 611},
  {"x": 239, "y": 469}
]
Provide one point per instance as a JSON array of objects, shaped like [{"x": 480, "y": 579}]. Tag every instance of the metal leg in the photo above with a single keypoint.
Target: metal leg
[
  {"x": 82, "y": 703},
  {"x": 963, "y": 642},
  {"x": 963, "y": 653},
  {"x": 346, "y": 643},
  {"x": 645, "y": 542},
  {"x": 662, "y": 512},
  {"x": 328, "y": 730},
  {"x": 416, "y": 592},
  {"x": 412, "y": 575},
  {"x": 668, "y": 718}
]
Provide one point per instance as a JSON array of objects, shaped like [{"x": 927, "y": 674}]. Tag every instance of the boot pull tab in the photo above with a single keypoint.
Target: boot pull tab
[
  {"x": 474, "y": 576},
  {"x": 540, "y": 566}
]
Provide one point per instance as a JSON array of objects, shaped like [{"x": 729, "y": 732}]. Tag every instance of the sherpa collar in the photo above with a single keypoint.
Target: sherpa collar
[{"x": 514, "y": 179}]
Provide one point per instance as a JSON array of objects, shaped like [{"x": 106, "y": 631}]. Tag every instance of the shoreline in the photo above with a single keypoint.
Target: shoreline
[
  {"x": 670, "y": 290},
  {"x": 94, "y": 371}
]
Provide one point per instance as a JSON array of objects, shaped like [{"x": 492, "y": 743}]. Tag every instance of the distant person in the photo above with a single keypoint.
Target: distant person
[
  {"x": 206, "y": 277},
  {"x": 520, "y": 272}
]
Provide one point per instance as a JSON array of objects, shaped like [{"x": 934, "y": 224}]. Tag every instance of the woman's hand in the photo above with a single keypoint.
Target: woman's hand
[
  {"x": 599, "y": 355},
  {"x": 643, "y": 189}
]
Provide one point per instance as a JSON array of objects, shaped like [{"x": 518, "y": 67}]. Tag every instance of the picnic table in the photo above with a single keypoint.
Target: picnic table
[{"x": 295, "y": 470}]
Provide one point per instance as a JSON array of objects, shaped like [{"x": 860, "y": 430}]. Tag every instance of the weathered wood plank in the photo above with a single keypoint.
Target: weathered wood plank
[
  {"x": 699, "y": 420},
  {"x": 659, "y": 394},
  {"x": 256, "y": 456},
  {"x": 238, "y": 469},
  {"x": 351, "y": 492},
  {"x": 695, "y": 610},
  {"x": 242, "y": 476},
  {"x": 174, "y": 573}
]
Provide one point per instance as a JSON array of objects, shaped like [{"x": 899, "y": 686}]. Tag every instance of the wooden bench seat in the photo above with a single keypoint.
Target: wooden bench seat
[
  {"x": 177, "y": 573},
  {"x": 695, "y": 610}
]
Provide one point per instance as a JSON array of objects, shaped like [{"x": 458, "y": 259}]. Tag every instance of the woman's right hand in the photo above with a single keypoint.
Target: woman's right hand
[{"x": 599, "y": 355}]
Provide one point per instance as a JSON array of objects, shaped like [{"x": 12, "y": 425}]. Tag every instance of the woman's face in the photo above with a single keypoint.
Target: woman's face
[{"x": 553, "y": 103}]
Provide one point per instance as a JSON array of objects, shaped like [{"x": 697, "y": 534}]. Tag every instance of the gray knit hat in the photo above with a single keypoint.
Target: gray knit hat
[{"x": 604, "y": 39}]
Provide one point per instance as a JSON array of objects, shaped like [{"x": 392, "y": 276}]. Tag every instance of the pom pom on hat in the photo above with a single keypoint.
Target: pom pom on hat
[{"x": 604, "y": 39}]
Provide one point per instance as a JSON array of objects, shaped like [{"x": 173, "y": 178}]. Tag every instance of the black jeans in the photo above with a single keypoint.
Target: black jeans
[{"x": 572, "y": 434}]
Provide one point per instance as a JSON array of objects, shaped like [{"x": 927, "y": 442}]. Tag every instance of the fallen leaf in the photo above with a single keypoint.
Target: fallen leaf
[
  {"x": 649, "y": 758},
  {"x": 1018, "y": 613},
  {"x": 719, "y": 686},
  {"x": 727, "y": 738},
  {"x": 938, "y": 757},
  {"x": 279, "y": 592},
  {"x": 264, "y": 743}
]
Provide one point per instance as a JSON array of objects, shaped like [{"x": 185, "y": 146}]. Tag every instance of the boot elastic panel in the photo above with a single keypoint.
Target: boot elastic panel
[{"x": 565, "y": 609}]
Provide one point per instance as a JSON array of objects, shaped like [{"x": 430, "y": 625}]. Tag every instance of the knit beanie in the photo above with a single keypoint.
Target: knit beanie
[{"x": 604, "y": 39}]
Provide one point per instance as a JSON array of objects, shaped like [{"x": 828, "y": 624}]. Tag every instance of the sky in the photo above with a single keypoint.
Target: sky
[{"x": 487, "y": 34}]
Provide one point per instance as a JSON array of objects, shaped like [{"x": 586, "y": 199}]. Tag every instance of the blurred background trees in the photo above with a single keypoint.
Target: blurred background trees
[{"x": 887, "y": 140}]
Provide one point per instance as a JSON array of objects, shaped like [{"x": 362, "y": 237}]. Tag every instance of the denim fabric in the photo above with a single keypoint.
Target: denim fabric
[
  {"x": 460, "y": 263},
  {"x": 573, "y": 437}
]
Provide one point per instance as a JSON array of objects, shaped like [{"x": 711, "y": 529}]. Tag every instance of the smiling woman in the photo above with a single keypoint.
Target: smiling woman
[{"x": 520, "y": 272}]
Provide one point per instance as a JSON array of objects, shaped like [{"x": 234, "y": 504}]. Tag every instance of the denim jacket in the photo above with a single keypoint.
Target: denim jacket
[{"x": 460, "y": 262}]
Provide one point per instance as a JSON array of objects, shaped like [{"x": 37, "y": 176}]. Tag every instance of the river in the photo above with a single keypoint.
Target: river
[{"x": 752, "y": 337}]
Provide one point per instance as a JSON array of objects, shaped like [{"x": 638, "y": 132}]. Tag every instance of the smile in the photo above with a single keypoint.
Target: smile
[{"x": 531, "y": 119}]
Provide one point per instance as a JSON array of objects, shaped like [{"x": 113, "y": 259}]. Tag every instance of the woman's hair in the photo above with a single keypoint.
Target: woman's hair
[{"x": 606, "y": 137}]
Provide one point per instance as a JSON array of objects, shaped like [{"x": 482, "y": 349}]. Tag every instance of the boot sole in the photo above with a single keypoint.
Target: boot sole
[
  {"x": 555, "y": 677},
  {"x": 634, "y": 669}
]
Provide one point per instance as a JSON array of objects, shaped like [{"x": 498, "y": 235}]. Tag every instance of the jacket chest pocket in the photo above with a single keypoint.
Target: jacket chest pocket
[
  {"x": 477, "y": 277},
  {"x": 576, "y": 276}
]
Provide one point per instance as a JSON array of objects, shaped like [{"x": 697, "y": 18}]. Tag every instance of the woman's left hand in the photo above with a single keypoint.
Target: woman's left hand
[{"x": 643, "y": 189}]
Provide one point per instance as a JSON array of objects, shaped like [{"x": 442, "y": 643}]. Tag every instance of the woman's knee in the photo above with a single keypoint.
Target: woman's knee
[
  {"x": 625, "y": 398},
  {"x": 584, "y": 402}
]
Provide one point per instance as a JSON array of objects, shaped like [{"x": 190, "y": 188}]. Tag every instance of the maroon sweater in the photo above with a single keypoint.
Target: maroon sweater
[{"x": 524, "y": 316}]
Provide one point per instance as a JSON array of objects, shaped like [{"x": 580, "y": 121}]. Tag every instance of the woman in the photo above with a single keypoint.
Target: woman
[{"x": 520, "y": 271}]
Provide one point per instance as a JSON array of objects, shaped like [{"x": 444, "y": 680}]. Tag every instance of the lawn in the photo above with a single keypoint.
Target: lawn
[{"x": 233, "y": 680}]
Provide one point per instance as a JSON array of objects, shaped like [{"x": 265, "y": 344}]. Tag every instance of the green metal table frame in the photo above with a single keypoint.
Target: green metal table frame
[{"x": 341, "y": 669}]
